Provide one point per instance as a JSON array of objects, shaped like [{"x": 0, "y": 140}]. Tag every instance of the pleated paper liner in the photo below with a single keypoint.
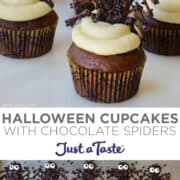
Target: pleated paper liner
[
  {"x": 162, "y": 41},
  {"x": 26, "y": 43},
  {"x": 105, "y": 86}
]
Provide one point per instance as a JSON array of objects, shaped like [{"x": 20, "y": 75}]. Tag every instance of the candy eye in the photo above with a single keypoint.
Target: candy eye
[
  {"x": 46, "y": 165},
  {"x": 52, "y": 165},
  {"x": 120, "y": 167},
  {"x": 11, "y": 167},
  {"x": 91, "y": 166},
  {"x": 157, "y": 170},
  {"x": 151, "y": 170},
  {"x": 125, "y": 167},
  {"x": 85, "y": 166},
  {"x": 16, "y": 167}
]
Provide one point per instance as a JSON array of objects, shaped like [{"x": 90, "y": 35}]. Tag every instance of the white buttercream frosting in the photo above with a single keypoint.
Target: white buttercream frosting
[
  {"x": 104, "y": 38},
  {"x": 23, "y": 10},
  {"x": 166, "y": 11}
]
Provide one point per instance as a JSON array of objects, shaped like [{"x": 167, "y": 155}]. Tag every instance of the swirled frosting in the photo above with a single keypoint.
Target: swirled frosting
[
  {"x": 166, "y": 11},
  {"x": 104, "y": 38},
  {"x": 23, "y": 10}
]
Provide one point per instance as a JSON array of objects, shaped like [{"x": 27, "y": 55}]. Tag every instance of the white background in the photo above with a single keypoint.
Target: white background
[
  {"x": 44, "y": 147},
  {"x": 46, "y": 81}
]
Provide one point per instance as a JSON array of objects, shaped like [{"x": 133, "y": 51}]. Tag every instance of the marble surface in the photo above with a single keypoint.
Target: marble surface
[{"x": 46, "y": 81}]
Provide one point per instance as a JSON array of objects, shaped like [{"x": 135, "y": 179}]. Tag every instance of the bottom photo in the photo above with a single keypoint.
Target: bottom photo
[{"x": 90, "y": 170}]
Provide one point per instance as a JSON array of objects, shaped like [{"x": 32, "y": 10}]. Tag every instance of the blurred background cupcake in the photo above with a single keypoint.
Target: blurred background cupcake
[
  {"x": 105, "y": 57},
  {"x": 160, "y": 25},
  {"x": 27, "y": 27}
]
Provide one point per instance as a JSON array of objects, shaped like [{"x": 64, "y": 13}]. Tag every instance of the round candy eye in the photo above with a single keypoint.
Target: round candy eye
[
  {"x": 91, "y": 166},
  {"x": 11, "y": 167},
  {"x": 52, "y": 165},
  {"x": 120, "y": 167},
  {"x": 16, "y": 167},
  {"x": 85, "y": 166},
  {"x": 46, "y": 165},
  {"x": 157, "y": 170},
  {"x": 151, "y": 170},
  {"x": 125, "y": 167}
]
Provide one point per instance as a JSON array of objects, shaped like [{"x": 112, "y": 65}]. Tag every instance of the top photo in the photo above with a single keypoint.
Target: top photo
[{"x": 89, "y": 53}]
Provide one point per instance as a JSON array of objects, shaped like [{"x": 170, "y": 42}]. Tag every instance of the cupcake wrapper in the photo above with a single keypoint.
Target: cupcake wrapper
[
  {"x": 26, "y": 43},
  {"x": 162, "y": 41},
  {"x": 105, "y": 86}
]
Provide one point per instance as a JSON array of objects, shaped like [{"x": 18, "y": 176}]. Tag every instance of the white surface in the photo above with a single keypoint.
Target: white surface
[{"x": 46, "y": 81}]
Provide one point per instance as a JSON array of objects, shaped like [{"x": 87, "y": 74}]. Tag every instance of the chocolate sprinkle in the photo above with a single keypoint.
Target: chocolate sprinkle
[
  {"x": 80, "y": 5},
  {"x": 51, "y": 4},
  {"x": 111, "y": 11}
]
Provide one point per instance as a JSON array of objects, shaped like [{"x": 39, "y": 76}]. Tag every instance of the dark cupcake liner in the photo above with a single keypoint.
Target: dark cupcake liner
[
  {"x": 26, "y": 43},
  {"x": 163, "y": 41},
  {"x": 106, "y": 87}
]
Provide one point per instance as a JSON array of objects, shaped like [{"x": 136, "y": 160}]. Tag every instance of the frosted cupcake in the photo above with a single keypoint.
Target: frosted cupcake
[
  {"x": 160, "y": 24},
  {"x": 105, "y": 57},
  {"x": 27, "y": 27}
]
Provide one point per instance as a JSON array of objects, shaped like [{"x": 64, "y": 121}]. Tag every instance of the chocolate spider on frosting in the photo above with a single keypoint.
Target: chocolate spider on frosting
[{"x": 111, "y": 11}]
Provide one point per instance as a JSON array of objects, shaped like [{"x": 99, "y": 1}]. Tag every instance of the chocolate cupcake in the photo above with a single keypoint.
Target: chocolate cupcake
[
  {"x": 105, "y": 57},
  {"x": 27, "y": 27},
  {"x": 159, "y": 22}
]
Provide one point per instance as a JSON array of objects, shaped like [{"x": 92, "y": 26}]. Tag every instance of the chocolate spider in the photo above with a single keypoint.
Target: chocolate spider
[
  {"x": 50, "y": 172},
  {"x": 122, "y": 172},
  {"x": 154, "y": 173},
  {"x": 89, "y": 172},
  {"x": 80, "y": 5},
  {"x": 14, "y": 172},
  {"x": 111, "y": 11}
]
